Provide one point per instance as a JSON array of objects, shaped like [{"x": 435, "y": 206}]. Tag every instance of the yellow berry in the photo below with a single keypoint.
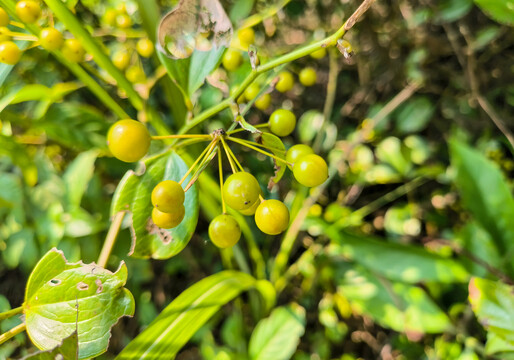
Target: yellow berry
[
  {"x": 135, "y": 74},
  {"x": 246, "y": 37},
  {"x": 319, "y": 54},
  {"x": 145, "y": 47},
  {"x": 232, "y": 59},
  {"x": 263, "y": 102},
  {"x": 272, "y": 217},
  {"x": 4, "y": 18},
  {"x": 128, "y": 140},
  {"x": 285, "y": 81},
  {"x": 73, "y": 50},
  {"x": 51, "y": 39},
  {"x": 168, "y": 220},
  {"x": 252, "y": 91},
  {"x": 121, "y": 59},
  {"x": 308, "y": 76},
  {"x": 9, "y": 53},
  {"x": 28, "y": 11}
]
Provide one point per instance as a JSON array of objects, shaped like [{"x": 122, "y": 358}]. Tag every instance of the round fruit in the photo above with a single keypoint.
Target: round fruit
[
  {"x": 9, "y": 53},
  {"x": 310, "y": 170},
  {"x": 263, "y": 102},
  {"x": 241, "y": 190},
  {"x": 4, "y": 18},
  {"x": 145, "y": 47},
  {"x": 123, "y": 21},
  {"x": 251, "y": 210},
  {"x": 51, "y": 39},
  {"x": 272, "y": 217},
  {"x": 167, "y": 195},
  {"x": 168, "y": 220},
  {"x": 4, "y": 34},
  {"x": 110, "y": 17},
  {"x": 285, "y": 81},
  {"x": 297, "y": 151},
  {"x": 246, "y": 37},
  {"x": 121, "y": 59},
  {"x": 232, "y": 59},
  {"x": 252, "y": 91},
  {"x": 224, "y": 231},
  {"x": 308, "y": 76},
  {"x": 128, "y": 140},
  {"x": 73, "y": 50},
  {"x": 135, "y": 75},
  {"x": 282, "y": 122},
  {"x": 28, "y": 11},
  {"x": 319, "y": 54}
]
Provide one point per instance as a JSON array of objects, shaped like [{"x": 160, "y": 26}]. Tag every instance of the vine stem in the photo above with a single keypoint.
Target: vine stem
[
  {"x": 242, "y": 142},
  {"x": 220, "y": 166},
  {"x": 258, "y": 126},
  {"x": 110, "y": 239},
  {"x": 13, "y": 332},
  {"x": 7, "y": 314}
]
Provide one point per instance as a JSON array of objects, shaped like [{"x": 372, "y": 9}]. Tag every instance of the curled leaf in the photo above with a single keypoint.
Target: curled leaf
[{"x": 194, "y": 25}]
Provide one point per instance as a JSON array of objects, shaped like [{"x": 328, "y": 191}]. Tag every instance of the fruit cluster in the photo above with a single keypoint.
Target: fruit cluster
[{"x": 129, "y": 141}]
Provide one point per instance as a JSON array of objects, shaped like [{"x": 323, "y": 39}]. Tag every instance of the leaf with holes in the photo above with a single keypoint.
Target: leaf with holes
[
  {"x": 61, "y": 298},
  {"x": 134, "y": 195},
  {"x": 276, "y": 146},
  {"x": 67, "y": 350}
]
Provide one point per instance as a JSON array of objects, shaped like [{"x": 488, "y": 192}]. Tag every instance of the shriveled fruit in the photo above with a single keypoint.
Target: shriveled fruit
[
  {"x": 272, "y": 217},
  {"x": 128, "y": 140},
  {"x": 167, "y": 195},
  {"x": 224, "y": 231},
  {"x": 310, "y": 170},
  {"x": 168, "y": 220},
  {"x": 241, "y": 190}
]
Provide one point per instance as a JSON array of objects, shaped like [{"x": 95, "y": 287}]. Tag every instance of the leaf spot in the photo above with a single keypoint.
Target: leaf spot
[
  {"x": 59, "y": 357},
  {"x": 153, "y": 229},
  {"x": 82, "y": 286},
  {"x": 54, "y": 282},
  {"x": 99, "y": 285}
]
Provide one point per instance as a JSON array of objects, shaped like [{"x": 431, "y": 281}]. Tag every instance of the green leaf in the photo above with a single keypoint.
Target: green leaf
[
  {"x": 414, "y": 115},
  {"x": 493, "y": 304},
  {"x": 398, "y": 306},
  {"x": 405, "y": 263},
  {"x": 134, "y": 195},
  {"x": 276, "y": 146},
  {"x": 61, "y": 298},
  {"x": 501, "y": 11},
  {"x": 22, "y": 249},
  {"x": 277, "y": 336},
  {"x": 485, "y": 193},
  {"x": 390, "y": 151},
  {"x": 245, "y": 125},
  {"x": 180, "y": 320},
  {"x": 77, "y": 176},
  {"x": 452, "y": 10},
  {"x": 67, "y": 350}
]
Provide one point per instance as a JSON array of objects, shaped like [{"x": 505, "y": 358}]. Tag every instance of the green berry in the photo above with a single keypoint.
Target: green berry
[
  {"x": 167, "y": 195},
  {"x": 297, "y": 151},
  {"x": 272, "y": 217},
  {"x": 319, "y": 54},
  {"x": 285, "y": 81},
  {"x": 4, "y": 18},
  {"x": 73, "y": 50},
  {"x": 128, "y": 140},
  {"x": 282, "y": 122},
  {"x": 308, "y": 76},
  {"x": 310, "y": 170},
  {"x": 9, "y": 53},
  {"x": 224, "y": 231},
  {"x": 135, "y": 74},
  {"x": 252, "y": 91},
  {"x": 168, "y": 220},
  {"x": 28, "y": 11},
  {"x": 123, "y": 21},
  {"x": 145, "y": 47},
  {"x": 232, "y": 59},
  {"x": 121, "y": 59},
  {"x": 241, "y": 190},
  {"x": 263, "y": 102},
  {"x": 51, "y": 39}
]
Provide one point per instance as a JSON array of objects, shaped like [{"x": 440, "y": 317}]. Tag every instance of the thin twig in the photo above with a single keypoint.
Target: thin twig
[
  {"x": 13, "y": 332},
  {"x": 110, "y": 239}
]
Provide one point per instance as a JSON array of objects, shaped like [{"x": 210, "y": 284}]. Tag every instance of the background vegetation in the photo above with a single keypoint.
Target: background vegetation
[{"x": 404, "y": 253}]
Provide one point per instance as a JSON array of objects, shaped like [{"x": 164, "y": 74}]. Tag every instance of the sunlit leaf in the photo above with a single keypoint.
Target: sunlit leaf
[
  {"x": 77, "y": 176},
  {"x": 180, "y": 320},
  {"x": 277, "y": 336},
  {"x": 67, "y": 350},
  {"x": 134, "y": 195},
  {"x": 485, "y": 193},
  {"x": 501, "y": 11},
  {"x": 493, "y": 304},
  {"x": 398, "y": 306},
  {"x": 61, "y": 298}
]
